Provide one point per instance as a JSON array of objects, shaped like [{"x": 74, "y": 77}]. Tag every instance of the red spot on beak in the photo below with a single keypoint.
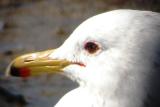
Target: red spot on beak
[{"x": 24, "y": 72}]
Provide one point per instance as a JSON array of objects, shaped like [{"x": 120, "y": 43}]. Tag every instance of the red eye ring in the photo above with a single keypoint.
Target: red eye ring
[{"x": 91, "y": 47}]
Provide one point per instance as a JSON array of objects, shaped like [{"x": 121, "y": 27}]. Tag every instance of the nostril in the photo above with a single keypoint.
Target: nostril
[
  {"x": 14, "y": 71},
  {"x": 28, "y": 60}
]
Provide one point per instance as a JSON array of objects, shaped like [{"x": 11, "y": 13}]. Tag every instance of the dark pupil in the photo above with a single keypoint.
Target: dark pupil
[{"x": 91, "y": 47}]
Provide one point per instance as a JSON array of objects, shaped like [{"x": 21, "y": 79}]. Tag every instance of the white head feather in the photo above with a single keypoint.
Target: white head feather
[{"x": 120, "y": 73}]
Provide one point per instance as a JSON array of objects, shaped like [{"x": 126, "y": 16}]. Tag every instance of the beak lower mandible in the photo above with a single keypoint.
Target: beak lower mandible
[{"x": 36, "y": 64}]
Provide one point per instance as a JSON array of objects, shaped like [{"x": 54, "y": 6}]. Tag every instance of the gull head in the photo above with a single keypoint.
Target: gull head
[{"x": 117, "y": 51}]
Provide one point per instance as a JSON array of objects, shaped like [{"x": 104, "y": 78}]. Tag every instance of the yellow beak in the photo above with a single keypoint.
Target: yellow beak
[{"x": 36, "y": 64}]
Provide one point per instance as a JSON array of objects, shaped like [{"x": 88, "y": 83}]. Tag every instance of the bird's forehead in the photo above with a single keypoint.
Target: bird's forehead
[
  {"x": 103, "y": 25},
  {"x": 112, "y": 26}
]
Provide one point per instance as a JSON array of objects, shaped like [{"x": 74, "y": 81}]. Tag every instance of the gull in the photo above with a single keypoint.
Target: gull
[{"x": 114, "y": 56}]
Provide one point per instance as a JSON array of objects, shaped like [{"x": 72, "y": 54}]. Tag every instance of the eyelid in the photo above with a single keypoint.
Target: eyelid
[
  {"x": 96, "y": 42},
  {"x": 93, "y": 42}
]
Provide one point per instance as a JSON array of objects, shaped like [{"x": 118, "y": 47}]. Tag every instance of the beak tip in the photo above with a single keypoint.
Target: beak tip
[
  {"x": 14, "y": 71},
  {"x": 19, "y": 72}
]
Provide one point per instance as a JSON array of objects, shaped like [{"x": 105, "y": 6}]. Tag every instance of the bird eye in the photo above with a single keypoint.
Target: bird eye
[{"x": 91, "y": 47}]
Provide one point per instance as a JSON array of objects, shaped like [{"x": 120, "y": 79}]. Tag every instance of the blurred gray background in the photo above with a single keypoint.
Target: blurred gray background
[{"x": 35, "y": 25}]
